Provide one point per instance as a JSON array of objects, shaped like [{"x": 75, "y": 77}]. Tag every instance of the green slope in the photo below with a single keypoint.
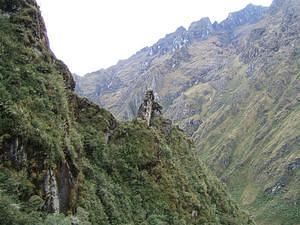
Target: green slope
[
  {"x": 236, "y": 92},
  {"x": 65, "y": 159}
]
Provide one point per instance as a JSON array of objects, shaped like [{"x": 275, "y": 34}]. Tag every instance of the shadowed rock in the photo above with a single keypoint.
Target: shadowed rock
[{"x": 149, "y": 108}]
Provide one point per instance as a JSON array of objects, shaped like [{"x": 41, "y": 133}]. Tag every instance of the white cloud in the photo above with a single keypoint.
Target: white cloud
[{"x": 92, "y": 34}]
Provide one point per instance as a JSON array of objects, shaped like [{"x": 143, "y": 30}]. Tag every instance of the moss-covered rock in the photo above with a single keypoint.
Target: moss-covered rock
[{"x": 63, "y": 154}]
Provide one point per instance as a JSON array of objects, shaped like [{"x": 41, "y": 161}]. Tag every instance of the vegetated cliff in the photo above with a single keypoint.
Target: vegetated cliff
[
  {"x": 235, "y": 88},
  {"x": 65, "y": 160}
]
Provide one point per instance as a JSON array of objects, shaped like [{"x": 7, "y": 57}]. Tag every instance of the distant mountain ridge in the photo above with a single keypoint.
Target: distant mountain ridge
[
  {"x": 173, "y": 42},
  {"x": 234, "y": 88}
]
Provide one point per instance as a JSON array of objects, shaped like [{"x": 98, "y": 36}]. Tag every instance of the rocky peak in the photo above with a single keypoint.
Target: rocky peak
[
  {"x": 250, "y": 14},
  {"x": 149, "y": 108},
  {"x": 201, "y": 29},
  {"x": 170, "y": 42},
  {"x": 180, "y": 30}
]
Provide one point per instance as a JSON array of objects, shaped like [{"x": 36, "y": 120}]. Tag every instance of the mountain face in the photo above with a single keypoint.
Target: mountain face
[
  {"x": 65, "y": 160},
  {"x": 147, "y": 67},
  {"x": 234, "y": 87}
]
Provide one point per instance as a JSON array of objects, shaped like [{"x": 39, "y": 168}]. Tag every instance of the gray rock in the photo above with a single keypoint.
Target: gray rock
[
  {"x": 51, "y": 192},
  {"x": 277, "y": 188},
  {"x": 257, "y": 33},
  {"x": 149, "y": 108},
  {"x": 201, "y": 29},
  {"x": 16, "y": 153},
  {"x": 294, "y": 165}
]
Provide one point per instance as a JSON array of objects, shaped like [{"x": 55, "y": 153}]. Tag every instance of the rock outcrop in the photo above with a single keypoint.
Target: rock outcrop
[
  {"x": 149, "y": 108},
  {"x": 15, "y": 152},
  {"x": 51, "y": 193},
  {"x": 234, "y": 88}
]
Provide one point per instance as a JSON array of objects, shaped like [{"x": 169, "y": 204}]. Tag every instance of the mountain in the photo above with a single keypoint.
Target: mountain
[
  {"x": 148, "y": 67},
  {"x": 234, "y": 87},
  {"x": 65, "y": 160}
]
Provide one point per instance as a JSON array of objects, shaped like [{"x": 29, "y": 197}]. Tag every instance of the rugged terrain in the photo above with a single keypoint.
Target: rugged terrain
[
  {"x": 65, "y": 160},
  {"x": 234, "y": 87}
]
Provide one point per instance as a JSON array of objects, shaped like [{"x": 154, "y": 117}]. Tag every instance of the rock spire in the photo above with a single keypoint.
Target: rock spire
[{"x": 149, "y": 108}]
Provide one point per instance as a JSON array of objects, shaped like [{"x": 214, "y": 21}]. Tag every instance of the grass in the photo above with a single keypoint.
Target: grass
[{"x": 107, "y": 172}]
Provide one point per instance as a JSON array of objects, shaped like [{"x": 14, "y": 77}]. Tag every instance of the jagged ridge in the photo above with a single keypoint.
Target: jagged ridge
[
  {"x": 63, "y": 154},
  {"x": 236, "y": 92}
]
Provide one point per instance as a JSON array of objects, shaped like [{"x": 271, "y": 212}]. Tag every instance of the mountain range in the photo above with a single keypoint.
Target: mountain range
[
  {"x": 234, "y": 88},
  {"x": 64, "y": 160}
]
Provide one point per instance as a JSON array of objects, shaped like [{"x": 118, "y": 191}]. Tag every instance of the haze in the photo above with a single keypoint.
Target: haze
[{"x": 93, "y": 34}]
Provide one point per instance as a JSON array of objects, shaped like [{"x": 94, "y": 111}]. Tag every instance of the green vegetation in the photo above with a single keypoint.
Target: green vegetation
[
  {"x": 55, "y": 146},
  {"x": 236, "y": 93}
]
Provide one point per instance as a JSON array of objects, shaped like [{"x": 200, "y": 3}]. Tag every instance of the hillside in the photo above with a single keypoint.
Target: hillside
[
  {"x": 65, "y": 160},
  {"x": 234, "y": 87}
]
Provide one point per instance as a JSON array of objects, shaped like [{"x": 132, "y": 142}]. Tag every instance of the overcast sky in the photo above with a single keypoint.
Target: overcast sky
[{"x": 92, "y": 34}]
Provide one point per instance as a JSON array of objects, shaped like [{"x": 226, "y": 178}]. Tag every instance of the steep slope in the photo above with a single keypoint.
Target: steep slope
[
  {"x": 162, "y": 66},
  {"x": 234, "y": 87},
  {"x": 63, "y": 154}
]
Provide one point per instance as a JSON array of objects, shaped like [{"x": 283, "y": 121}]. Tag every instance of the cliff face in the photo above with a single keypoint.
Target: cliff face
[
  {"x": 35, "y": 119},
  {"x": 64, "y": 159},
  {"x": 152, "y": 66},
  {"x": 232, "y": 86}
]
